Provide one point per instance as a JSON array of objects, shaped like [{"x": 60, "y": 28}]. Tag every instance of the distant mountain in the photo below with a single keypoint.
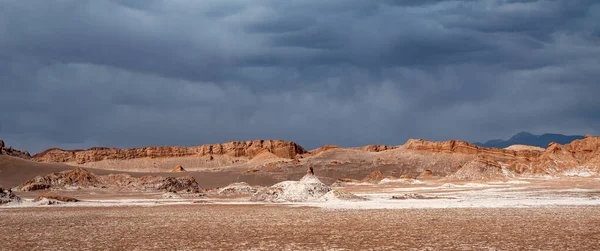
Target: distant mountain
[{"x": 525, "y": 138}]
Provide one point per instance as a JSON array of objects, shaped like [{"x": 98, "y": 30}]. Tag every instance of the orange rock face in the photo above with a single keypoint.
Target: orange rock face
[
  {"x": 457, "y": 146},
  {"x": 280, "y": 148},
  {"x": 583, "y": 153},
  {"x": 367, "y": 148},
  {"x": 375, "y": 148},
  {"x": 178, "y": 169},
  {"x": 374, "y": 177},
  {"x": 324, "y": 149}
]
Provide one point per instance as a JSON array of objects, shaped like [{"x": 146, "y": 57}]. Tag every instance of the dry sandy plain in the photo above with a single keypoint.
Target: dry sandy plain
[{"x": 517, "y": 214}]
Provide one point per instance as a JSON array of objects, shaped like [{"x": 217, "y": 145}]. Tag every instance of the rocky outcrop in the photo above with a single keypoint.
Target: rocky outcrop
[
  {"x": 81, "y": 178},
  {"x": 283, "y": 149},
  {"x": 7, "y": 196},
  {"x": 77, "y": 177},
  {"x": 583, "y": 154},
  {"x": 52, "y": 196},
  {"x": 374, "y": 177},
  {"x": 579, "y": 154},
  {"x": 324, "y": 148},
  {"x": 457, "y": 146},
  {"x": 367, "y": 148},
  {"x": 239, "y": 188},
  {"x": 482, "y": 168},
  {"x": 426, "y": 173},
  {"x": 178, "y": 169},
  {"x": 375, "y": 148},
  {"x": 13, "y": 152}
]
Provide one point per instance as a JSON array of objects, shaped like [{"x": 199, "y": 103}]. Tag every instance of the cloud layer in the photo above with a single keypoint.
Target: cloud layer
[{"x": 133, "y": 73}]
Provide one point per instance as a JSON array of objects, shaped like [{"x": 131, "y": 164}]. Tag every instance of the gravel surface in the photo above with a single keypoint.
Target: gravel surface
[{"x": 269, "y": 227}]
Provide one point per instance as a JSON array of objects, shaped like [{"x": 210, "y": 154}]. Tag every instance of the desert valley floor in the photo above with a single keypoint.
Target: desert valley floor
[
  {"x": 420, "y": 196},
  {"x": 269, "y": 227},
  {"x": 561, "y": 214}
]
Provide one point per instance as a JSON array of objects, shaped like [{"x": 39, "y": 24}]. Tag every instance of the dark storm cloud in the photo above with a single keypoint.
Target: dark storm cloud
[{"x": 132, "y": 73}]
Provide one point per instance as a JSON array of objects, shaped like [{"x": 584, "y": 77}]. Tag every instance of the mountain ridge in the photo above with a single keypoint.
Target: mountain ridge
[{"x": 526, "y": 138}]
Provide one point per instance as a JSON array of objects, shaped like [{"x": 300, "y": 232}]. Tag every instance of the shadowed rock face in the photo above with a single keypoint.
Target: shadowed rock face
[
  {"x": 13, "y": 152},
  {"x": 482, "y": 168},
  {"x": 7, "y": 196},
  {"x": 283, "y": 149},
  {"x": 82, "y": 178}
]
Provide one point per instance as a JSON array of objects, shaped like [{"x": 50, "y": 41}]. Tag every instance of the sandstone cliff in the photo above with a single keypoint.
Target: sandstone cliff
[
  {"x": 583, "y": 153},
  {"x": 13, "y": 152},
  {"x": 457, "y": 146},
  {"x": 367, "y": 148},
  {"x": 249, "y": 149}
]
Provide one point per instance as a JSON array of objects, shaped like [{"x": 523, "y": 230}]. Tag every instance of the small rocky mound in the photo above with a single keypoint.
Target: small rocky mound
[
  {"x": 482, "y": 168},
  {"x": 240, "y": 188},
  {"x": 52, "y": 196},
  {"x": 309, "y": 188},
  {"x": 77, "y": 177},
  {"x": 324, "y": 149},
  {"x": 426, "y": 173},
  {"x": 341, "y": 195},
  {"x": 178, "y": 169},
  {"x": 169, "y": 184},
  {"x": 7, "y": 196},
  {"x": 342, "y": 182},
  {"x": 374, "y": 177}
]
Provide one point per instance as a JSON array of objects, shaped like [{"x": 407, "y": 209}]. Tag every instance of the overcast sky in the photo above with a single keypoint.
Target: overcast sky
[{"x": 77, "y": 74}]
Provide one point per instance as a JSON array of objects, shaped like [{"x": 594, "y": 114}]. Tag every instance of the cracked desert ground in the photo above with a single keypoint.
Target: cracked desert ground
[{"x": 275, "y": 227}]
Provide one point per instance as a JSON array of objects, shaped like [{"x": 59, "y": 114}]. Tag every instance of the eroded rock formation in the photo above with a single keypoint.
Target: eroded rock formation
[
  {"x": 81, "y": 178},
  {"x": 7, "y": 196},
  {"x": 53, "y": 196},
  {"x": 178, "y": 169},
  {"x": 579, "y": 154},
  {"x": 283, "y": 149},
  {"x": 481, "y": 168},
  {"x": 457, "y": 146},
  {"x": 4, "y": 150}
]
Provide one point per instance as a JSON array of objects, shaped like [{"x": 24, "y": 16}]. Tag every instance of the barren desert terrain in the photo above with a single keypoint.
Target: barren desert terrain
[{"x": 264, "y": 195}]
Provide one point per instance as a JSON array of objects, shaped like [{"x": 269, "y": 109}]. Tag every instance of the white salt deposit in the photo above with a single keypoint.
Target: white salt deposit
[
  {"x": 510, "y": 182},
  {"x": 340, "y": 195},
  {"x": 580, "y": 172},
  {"x": 401, "y": 181}
]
